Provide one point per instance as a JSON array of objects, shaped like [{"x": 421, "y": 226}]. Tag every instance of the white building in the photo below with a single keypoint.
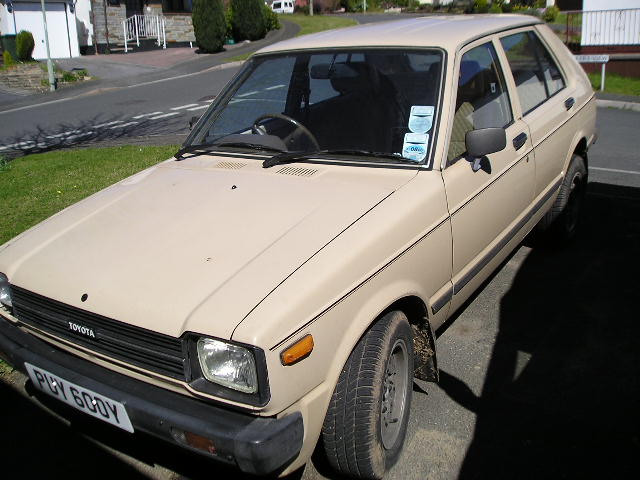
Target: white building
[
  {"x": 610, "y": 22},
  {"x": 17, "y": 15}
]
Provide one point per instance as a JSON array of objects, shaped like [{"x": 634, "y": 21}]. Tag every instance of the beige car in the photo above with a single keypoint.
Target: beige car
[{"x": 276, "y": 286}]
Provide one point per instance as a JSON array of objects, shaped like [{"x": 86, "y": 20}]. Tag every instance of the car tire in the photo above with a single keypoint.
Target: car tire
[
  {"x": 559, "y": 224},
  {"x": 366, "y": 423}
]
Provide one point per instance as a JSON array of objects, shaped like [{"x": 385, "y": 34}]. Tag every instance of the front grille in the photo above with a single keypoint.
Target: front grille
[{"x": 137, "y": 346}]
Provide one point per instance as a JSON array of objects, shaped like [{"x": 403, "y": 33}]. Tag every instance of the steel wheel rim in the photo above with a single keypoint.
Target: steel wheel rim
[{"x": 394, "y": 394}]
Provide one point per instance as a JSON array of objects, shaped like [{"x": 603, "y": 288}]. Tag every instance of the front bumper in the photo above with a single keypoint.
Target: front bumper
[{"x": 254, "y": 444}]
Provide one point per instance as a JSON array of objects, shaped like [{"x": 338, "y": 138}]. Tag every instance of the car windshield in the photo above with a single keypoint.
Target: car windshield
[{"x": 332, "y": 101}]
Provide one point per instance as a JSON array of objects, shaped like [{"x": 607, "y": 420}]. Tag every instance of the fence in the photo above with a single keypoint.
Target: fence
[{"x": 144, "y": 26}]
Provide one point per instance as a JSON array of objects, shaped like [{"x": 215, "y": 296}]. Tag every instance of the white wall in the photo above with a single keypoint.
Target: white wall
[
  {"x": 83, "y": 23},
  {"x": 6, "y": 21},
  {"x": 63, "y": 40},
  {"x": 609, "y": 4},
  {"x": 618, "y": 26}
]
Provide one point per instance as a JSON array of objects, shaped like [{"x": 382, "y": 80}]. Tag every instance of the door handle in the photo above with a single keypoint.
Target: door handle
[
  {"x": 569, "y": 102},
  {"x": 519, "y": 141}
]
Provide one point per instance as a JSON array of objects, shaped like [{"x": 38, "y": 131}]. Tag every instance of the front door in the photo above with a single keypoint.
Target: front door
[
  {"x": 134, "y": 7},
  {"x": 484, "y": 204}
]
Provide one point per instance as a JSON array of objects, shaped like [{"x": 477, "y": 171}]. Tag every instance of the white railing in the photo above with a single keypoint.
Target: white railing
[
  {"x": 144, "y": 26},
  {"x": 611, "y": 27}
]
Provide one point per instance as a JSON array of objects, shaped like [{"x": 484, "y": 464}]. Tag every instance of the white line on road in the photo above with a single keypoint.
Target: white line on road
[
  {"x": 146, "y": 115},
  {"x": 197, "y": 108},
  {"x": 615, "y": 170},
  {"x": 247, "y": 94},
  {"x": 62, "y": 134},
  {"x": 107, "y": 124},
  {"x": 181, "y": 107},
  {"x": 274, "y": 87},
  {"x": 124, "y": 125},
  {"x": 165, "y": 115}
]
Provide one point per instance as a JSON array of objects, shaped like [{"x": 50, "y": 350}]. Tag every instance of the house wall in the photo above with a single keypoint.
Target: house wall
[
  {"x": 178, "y": 26},
  {"x": 61, "y": 25},
  {"x": 116, "y": 14},
  {"x": 84, "y": 26}
]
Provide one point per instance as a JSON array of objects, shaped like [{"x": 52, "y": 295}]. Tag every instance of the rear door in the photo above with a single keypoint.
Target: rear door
[
  {"x": 485, "y": 204},
  {"x": 546, "y": 101}
]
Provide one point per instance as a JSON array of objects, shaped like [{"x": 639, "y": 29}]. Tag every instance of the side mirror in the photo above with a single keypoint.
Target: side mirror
[{"x": 484, "y": 141}]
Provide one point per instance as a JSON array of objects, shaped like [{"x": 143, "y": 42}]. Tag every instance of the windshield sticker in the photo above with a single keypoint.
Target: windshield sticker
[
  {"x": 421, "y": 118},
  {"x": 415, "y": 146}
]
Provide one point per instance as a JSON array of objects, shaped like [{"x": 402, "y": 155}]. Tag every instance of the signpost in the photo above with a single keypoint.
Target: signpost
[{"x": 603, "y": 59}]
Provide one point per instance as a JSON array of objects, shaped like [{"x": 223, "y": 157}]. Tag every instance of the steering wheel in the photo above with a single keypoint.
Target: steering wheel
[{"x": 260, "y": 131}]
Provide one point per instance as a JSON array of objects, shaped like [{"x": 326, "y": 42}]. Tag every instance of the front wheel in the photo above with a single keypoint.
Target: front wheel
[{"x": 366, "y": 422}]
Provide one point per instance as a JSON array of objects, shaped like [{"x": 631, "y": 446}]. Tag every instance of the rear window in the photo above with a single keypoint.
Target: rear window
[{"x": 536, "y": 74}]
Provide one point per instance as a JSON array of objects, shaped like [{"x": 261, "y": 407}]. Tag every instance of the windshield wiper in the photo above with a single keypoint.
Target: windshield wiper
[
  {"x": 208, "y": 147},
  {"x": 290, "y": 157}
]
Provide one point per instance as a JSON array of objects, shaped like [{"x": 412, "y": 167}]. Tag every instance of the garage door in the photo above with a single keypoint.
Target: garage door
[{"x": 28, "y": 16}]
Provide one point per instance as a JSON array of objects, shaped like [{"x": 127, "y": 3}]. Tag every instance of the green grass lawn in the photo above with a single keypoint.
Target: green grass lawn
[
  {"x": 317, "y": 23},
  {"x": 616, "y": 84},
  {"x": 35, "y": 187}
]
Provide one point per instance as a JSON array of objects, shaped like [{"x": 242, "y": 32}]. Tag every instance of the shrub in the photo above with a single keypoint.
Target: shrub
[
  {"x": 507, "y": 7},
  {"x": 8, "y": 59},
  {"x": 271, "y": 21},
  {"x": 304, "y": 10},
  {"x": 209, "y": 24},
  {"x": 228, "y": 18},
  {"x": 495, "y": 8},
  {"x": 24, "y": 45},
  {"x": 550, "y": 14},
  {"x": 248, "y": 21},
  {"x": 480, "y": 6}
]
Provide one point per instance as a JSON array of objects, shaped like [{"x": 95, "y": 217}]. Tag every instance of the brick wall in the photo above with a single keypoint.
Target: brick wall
[
  {"x": 115, "y": 16},
  {"x": 178, "y": 26}
]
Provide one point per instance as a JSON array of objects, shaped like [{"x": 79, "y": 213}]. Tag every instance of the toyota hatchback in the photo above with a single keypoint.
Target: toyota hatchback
[{"x": 274, "y": 288}]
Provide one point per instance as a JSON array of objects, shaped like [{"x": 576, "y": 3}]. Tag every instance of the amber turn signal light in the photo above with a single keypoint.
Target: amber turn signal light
[{"x": 298, "y": 351}]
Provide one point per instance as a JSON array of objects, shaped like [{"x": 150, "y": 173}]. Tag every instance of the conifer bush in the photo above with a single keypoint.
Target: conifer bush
[
  {"x": 24, "y": 45},
  {"x": 248, "y": 19},
  {"x": 209, "y": 24}
]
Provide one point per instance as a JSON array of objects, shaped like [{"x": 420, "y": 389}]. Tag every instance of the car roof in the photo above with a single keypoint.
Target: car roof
[{"x": 446, "y": 31}]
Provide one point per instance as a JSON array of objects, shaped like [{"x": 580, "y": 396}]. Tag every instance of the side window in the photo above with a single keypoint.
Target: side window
[
  {"x": 535, "y": 73},
  {"x": 482, "y": 100}
]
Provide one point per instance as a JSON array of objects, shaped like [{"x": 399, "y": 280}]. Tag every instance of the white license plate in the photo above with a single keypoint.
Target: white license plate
[{"x": 80, "y": 398}]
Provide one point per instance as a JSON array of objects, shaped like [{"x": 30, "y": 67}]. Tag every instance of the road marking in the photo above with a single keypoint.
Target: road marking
[
  {"x": 274, "y": 87},
  {"x": 124, "y": 125},
  {"x": 146, "y": 115},
  {"x": 165, "y": 115},
  {"x": 57, "y": 135},
  {"x": 107, "y": 124},
  {"x": 615, "y": 170},
  {"x": 197, "y": 108},
  {"x": 247, "y": 94},
  {"x": 80, "y": 135},
  {"x": 181, "y": 107}
]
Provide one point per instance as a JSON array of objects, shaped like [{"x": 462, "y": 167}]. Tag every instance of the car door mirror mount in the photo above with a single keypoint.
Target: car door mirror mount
[{"x": 482, "y": 142}]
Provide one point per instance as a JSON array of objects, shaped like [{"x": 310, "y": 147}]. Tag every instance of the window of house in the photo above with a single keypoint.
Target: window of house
[
  {"x": 482, "y": 100},
  {"x": 536, "y": 74}
]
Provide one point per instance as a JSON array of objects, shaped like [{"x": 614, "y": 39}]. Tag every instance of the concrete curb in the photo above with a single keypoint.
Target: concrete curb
[{"x": 634, "y": 106}]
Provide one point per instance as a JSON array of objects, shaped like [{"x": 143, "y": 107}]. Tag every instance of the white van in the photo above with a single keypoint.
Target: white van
[{"x": 285, "y": 6}]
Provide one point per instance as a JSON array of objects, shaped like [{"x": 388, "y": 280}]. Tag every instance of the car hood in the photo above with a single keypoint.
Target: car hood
[{"x": 192, "y": 245}]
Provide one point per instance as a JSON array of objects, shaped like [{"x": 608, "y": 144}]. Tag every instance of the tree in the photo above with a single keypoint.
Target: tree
[
  {"x": 248, "y": 20},
  {"x": 209, "y": 24}
]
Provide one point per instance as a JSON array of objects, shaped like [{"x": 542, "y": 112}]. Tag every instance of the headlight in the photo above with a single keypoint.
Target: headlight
[
  {"x": 5, "y": 291},
  {"x": 228, "y": 365}
]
